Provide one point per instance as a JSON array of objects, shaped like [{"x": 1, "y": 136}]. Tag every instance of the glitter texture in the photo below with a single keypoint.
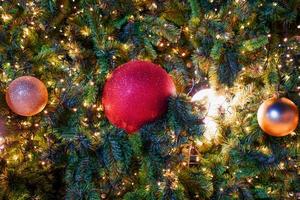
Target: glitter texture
[
  {"x": 136, "y": 93},
  {"x": 278, "y": 117},
  {"x": 27, "y": 96}
]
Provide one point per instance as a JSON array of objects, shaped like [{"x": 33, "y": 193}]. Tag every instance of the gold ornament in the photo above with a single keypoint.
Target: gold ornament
[
  {"x": 26, "y": 96},
  {"x": 278, "y": 116}
]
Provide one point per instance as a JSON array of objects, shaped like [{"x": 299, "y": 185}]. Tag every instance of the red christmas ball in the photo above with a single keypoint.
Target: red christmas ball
[
  {"x": 27, "y": 96},
  {"x": 136, "y": 93}
]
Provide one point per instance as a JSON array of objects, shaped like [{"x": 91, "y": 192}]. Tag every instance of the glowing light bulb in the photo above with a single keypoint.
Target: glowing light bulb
[
  {"x": 198, "y": 142},
  {"x": 6, "y": 17},
  {"x": 215, "y": 102}
]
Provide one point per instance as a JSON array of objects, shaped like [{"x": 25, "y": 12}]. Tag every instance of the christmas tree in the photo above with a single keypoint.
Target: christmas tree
[{"x": 207, "y": 141}]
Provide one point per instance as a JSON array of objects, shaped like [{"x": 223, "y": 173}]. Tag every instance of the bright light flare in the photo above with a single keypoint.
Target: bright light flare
[{"x": 214, "y": 103}]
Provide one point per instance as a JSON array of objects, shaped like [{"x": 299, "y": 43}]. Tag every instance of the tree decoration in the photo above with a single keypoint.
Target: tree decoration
[
  {"x": 208, "y": 149},
  {"x": 136, "y": 93},
  {"x": 26, "y": 96},
  {"x": 191, "y": 155},
  {"x": 278, "y": 116}
]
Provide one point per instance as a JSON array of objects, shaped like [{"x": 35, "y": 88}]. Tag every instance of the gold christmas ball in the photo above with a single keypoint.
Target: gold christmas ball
[
  {"x": 278, "y": 116},
  {"x": 26, "y": 96}
]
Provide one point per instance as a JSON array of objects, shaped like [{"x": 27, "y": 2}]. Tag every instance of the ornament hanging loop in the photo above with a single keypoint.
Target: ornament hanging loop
[{"x": 279, "y": 93}]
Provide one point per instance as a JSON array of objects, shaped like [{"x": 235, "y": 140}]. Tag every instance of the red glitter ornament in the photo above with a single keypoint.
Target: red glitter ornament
[
  {"x": 26, "y": 96},
  {"x": 136, "y": 93}
]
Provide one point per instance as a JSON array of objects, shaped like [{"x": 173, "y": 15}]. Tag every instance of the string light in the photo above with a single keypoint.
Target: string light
[
  {"x": 198, "y": 142},
  {"x": 248, "y": 129},
  {"x": 281, "y": 165},
  {"x": 153, "y": 6},
  {"x": 15, "y": 157},
  {"x": 6, "y": 17},
  {"x": 293, "y": 133}
]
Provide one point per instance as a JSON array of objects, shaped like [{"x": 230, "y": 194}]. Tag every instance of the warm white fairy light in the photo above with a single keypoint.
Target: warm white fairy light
[
  {"x": 6, "y": 17},
  {"x": 215, "y": 102},
  {"x": 198, "y": 142}
]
